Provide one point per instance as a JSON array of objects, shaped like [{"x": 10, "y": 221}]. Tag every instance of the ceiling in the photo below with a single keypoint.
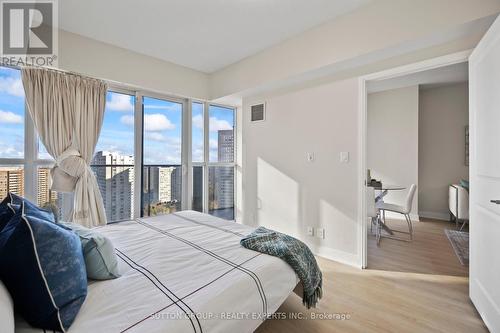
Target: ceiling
[
  {"x": 426, "y": 79},
  {"x": 205, "y": 35}
]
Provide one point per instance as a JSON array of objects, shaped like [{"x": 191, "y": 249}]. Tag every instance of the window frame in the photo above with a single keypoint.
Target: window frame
[
  {"x": 206, "y": 164},
  {"x": 31, "y": 162}
]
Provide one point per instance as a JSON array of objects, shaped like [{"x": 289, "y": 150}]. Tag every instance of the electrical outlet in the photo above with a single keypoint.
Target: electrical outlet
[
  {"x": 320, "y": 233},
  {"x": 310, "y": 231}
]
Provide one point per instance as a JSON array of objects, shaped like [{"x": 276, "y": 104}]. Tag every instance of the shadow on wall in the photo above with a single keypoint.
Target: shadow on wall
[
  {"x": 329, "y": 216},
  {"x": 278, "y": 199},
  {"x": 287, "y": 206}
]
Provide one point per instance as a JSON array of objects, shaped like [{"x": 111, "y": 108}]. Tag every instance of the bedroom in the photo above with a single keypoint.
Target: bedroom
[{"x": 176, "y": 83}]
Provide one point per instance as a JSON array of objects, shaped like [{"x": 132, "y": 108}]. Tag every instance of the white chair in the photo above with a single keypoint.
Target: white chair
[
  {"x": 458, "y": 202},
  {"x": 404, "y": 210},
  {"x": 371, "y": 210}
]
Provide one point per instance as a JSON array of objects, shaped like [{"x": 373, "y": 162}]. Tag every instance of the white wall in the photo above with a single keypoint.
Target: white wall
[
  {"x": 392, "y": 141},
  {"x": 443, "y": 117},
  {"x": 282, "y": 190},
  {"x": 101, "y": 60}
]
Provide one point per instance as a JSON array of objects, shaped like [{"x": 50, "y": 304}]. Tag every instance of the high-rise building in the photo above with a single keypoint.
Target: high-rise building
[
  {"x": 198, "y": 188},
  {"x": 225, "y": 146},
  {"x": 222, "y": 177},
  {"x": 165, "y": 184},
  {"x": 177, "y": 185},
  {"x": 162, "y": 189},
  {"x": 45, "y": 194},
  {"x": 11, "y": 180},
  {"x": 115, "y": 177}
]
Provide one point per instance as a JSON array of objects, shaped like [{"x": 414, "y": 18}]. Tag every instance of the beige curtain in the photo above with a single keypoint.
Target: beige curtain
[{"x": 68, "y": 111}]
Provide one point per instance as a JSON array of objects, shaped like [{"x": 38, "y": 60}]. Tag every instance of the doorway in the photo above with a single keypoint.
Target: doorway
[{"x": 399, "y": 123}]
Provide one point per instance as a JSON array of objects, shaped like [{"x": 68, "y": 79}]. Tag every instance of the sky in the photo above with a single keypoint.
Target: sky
[
  {"x": 11, "y": 114},
  {"x": 162, "y": 125}
]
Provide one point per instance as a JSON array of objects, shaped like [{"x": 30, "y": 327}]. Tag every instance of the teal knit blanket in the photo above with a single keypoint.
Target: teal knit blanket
[{"x": 295, "y": 253}]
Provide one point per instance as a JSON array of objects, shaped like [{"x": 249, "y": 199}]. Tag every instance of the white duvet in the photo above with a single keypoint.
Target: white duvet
[{"x": 183, "y": 272}]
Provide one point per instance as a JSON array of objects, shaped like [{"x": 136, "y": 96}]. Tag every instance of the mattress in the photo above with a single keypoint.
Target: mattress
[{"x": 183, "y": 272}]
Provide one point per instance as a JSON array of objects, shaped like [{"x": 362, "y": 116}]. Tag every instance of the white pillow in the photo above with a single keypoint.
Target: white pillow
[{"x": 6, "y": 311}]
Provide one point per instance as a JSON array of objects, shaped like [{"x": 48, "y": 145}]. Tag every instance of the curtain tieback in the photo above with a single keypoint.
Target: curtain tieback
[{"x": 68, "y": 169}]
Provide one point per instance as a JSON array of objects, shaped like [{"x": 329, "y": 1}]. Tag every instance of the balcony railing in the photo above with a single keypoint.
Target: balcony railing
[{"x": 161, "y": 189}]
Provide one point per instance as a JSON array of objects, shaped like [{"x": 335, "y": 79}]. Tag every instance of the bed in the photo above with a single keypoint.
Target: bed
[{"x": 183, "y": 272}]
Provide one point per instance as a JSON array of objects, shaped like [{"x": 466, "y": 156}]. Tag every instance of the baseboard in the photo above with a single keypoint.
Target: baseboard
[
  {"x": 435, "y": 215},
  {"x": 485, "y": 305},
  {"x": 338, "y": 255}
]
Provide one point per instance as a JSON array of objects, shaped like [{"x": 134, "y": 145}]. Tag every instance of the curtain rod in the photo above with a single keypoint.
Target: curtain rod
[
  {"x": 54, "y": 69},
  {"x": 117, "y": 84},
  {"x": 112, "y": 83}
]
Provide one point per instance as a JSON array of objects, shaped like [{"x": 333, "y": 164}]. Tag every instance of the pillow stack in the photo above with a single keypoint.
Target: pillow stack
[
  {"x": 41, "y": 265},
  {"x": 99, "y": 253}
]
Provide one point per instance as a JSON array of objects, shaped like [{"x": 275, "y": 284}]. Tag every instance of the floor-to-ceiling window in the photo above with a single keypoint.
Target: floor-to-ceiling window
[
  {"x": 24, "y": 162},
  {"x": 12, "y": 127},
  {"x": 113, "y": 162},
  {"x": 161, "y": 156},
  {"x": 221, "y": 162},
  {"x": 141, "y": 159},
  {"x": 198, "y": 154},
  {"x": 213, "y": 150}
]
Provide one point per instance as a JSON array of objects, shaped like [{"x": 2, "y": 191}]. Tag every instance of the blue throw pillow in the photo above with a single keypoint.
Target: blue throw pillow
[
  {"x": 44, "y": 213},
  {"x": 8, "y": 208},
  {"x": 42, "y": 266},
  {"x": 99, "y": 253}
]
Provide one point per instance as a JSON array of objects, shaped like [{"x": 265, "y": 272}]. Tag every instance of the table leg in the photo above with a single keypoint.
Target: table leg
[{"x": 384, "y": 226}]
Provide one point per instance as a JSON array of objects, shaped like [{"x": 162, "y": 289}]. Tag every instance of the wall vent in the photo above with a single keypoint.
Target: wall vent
[{"x": 258, "y": 112}]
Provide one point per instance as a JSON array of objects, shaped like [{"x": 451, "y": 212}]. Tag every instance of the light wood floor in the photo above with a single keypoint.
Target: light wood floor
[{"x": 408, "y": 287}]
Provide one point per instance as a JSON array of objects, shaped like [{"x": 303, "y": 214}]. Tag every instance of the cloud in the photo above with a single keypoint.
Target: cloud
[
  {"x": 157, "y": 122},
  {"x": 12, "y": 86},
  {"x": 8, "y": 117},
  {"x": 197, "y": 152},
  {"x": 198, "y": 121},
  {"x": 155, "y": 136},
  {"x": 120, "y": 102},
  {"x": 127, "y": 120},
  {"x": 14, "y": 148},
  {"x": 219, "y": 125},
  {"x": 169, "y": 107},
  {"x": 216, "y": 124}
]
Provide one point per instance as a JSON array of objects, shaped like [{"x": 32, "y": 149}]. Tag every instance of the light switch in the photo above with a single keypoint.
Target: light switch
[
  {"x": 310, "y": 157},
  {"x": 344, "y": 157},
  {"x": 310, "y": 231}
]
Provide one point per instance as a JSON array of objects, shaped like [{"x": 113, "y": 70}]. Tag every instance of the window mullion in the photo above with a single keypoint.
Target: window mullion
[
  {"x": 187, "y": 139},
  {"x": 206, "y": 152},
  {"x": 138, "y": 136},
  {"x": 30, "y": 156},
  {"x": 186, "y": 155}
]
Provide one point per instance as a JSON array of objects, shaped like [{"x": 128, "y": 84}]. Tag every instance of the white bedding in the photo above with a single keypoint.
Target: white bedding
[{"x": 183, "y": 272}]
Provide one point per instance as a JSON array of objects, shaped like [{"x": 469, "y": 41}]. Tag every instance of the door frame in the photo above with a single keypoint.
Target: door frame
[{"x": 442, "y": 61}]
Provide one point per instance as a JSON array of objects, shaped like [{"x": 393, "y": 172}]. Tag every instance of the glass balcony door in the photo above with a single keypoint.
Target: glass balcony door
[
  {"x": 162, "y": 156},
  {"x": 212, "y": 167}
]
